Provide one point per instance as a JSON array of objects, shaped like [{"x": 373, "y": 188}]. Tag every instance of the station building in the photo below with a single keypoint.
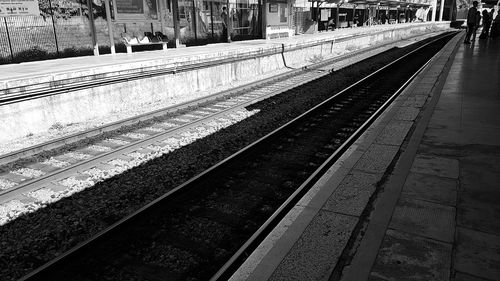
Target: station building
[
  {"x": 41, "y": 29},
  {"x": 200, "y": 21}
]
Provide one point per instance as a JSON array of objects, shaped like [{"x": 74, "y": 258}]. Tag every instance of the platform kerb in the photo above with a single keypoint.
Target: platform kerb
[{"x": 341, "y": 194}]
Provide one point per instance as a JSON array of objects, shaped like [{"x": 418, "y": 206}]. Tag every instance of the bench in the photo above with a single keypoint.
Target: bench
[
  {"x": 130, "y": 45},
  {"x": 273, "y": 32},
  {"x": 148, "y": 39}
]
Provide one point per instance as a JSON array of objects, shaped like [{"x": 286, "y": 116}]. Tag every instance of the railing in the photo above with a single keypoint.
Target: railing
[{"x": 63, "y": 28}]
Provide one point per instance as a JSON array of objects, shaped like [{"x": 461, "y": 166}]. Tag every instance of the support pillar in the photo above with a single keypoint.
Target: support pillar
[
  {"x": 229, "y": 22},
  {"x": 434, "y": 10},
  {"x": 175, "y": 8},
  {"x": 162, "y": 7},
  {"x": 92, "y": 28},
  {"x": 317, "y": 16},
  {"x": 264, "y": 18},
  {"x": 368, "y": 14},
  {"x": 441, "y": 10},
  {"x": 337, "y": 17},
  {"x": 452, "y": 8},
  {"x": 353, "y": 13},
  {"x": 110, "y": 27},
  {"x": 377, "y": 15}
]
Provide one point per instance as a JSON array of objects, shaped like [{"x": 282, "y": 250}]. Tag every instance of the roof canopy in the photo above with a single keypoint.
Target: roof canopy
[
  {"x": 388, "y": 3},
  {"x": 489, "y": 2}
]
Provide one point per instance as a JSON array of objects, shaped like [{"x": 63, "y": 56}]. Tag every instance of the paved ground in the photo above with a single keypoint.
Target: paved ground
[
  {"x": 417, "y": 198},
  {"x": 446, "y": 223}
]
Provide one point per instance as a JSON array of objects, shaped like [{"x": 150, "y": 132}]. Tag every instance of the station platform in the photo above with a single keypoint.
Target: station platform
[
  {"x": 35, "y": 96},
  {"x": 416, "y": 198},
  {"x": 21, "y": 74},
  {"x": 71, "y": 67}
]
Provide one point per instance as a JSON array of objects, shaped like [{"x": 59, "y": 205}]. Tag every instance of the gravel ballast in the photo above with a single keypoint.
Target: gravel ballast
[{"x": 35, "y": 238}]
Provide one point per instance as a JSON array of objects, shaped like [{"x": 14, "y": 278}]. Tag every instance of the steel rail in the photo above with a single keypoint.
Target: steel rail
[
  {"x": 8, "y": 194},
  {"x": 251, "y": 244},
  {"x": 56, "y": 143},
  {"x": 25, "y": 186},
  {"x": 177, "y": 191}
]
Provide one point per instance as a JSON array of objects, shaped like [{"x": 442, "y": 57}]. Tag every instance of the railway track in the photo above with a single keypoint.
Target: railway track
[
  {"x": 42, "y": 174},
  {"x": 205, "y": 227},
  {"x": 338, "y": 62},
  {"x": 20, "y": 177}
]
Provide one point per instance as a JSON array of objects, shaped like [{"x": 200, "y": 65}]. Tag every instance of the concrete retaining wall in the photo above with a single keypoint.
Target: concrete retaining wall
[{"x": 256, "y": 57}]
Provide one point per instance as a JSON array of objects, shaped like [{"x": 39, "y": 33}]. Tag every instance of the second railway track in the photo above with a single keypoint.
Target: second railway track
[
  {"x": 213, "y": 220},
  {"x": 37, "y": 175}
]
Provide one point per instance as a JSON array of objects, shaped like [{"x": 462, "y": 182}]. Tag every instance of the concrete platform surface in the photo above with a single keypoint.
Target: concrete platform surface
[
  {"x": 120, "y": 61},
  {"x": 458, "y": 159},
  {"x": 416, "y": 198},
  {"x": 38, "y": 95}
]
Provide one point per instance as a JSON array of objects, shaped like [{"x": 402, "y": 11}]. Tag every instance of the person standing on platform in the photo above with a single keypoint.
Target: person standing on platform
[
  {"x": 486, "y": 25},
  {"x": 471, "y": 22},
  {"x": 495, "y": 27},
  {"x": 331, "y": 24},
  {"x": 478, "y": 22},
  {"x": 224, "y": 18}
]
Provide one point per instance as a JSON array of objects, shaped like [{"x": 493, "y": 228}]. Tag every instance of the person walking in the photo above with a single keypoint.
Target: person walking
[
  {"x": 471, "y": 22},
  {"x": 476, "y": 27},
  {"x": 486, "y": 25}
]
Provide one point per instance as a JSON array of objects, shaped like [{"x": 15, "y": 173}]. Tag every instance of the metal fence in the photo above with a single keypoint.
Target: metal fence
[
  {"x": 63, "y": 28},
  {"x": 59, "y": 31},
  {"x": 63, "y": 32}
]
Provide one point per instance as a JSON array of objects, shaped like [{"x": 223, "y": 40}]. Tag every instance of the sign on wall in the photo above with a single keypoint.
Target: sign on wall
[
  {"x": 19, "y": 8},
  {"x": 273, "y": 7},
  {"x": 136, "y": 9},
  {"x": 277, "y": 13},
  {"x": 325, "y": 14}
]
